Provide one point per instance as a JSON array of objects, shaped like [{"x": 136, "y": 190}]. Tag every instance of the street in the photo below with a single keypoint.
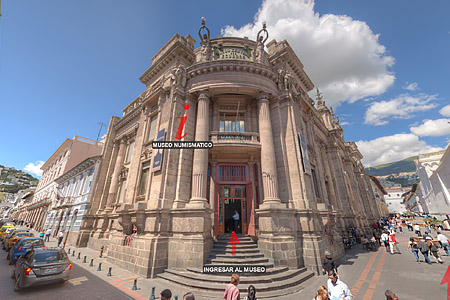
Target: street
[{"x": 82, "y": 285}]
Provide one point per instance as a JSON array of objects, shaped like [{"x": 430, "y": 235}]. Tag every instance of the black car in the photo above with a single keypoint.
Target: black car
[{"x": 40, "y": 266}]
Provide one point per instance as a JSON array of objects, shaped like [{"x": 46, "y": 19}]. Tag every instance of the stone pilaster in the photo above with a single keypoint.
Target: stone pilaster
[
  {"x": 200, "y": 165},
  {"x": 115, "y": 178}
]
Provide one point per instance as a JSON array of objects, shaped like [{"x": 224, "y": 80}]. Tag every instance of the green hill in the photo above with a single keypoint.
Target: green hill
[{"x": 406, "y": 165}]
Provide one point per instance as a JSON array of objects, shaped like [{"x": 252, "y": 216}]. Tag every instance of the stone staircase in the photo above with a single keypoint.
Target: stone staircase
[{"x": 276, "y": 281}]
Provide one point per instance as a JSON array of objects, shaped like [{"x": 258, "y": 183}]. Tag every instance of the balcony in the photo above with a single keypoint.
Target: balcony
[{"x": 245, "y": 138}]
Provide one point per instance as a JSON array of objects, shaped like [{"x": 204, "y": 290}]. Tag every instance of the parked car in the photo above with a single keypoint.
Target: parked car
[
  {"x": 22, "y": 247},
  {"x": 6, "y": 221},
  {"x": 9, "y": 243},
  {"x": 41, "y": 266},
  {"x": 5, "y": 230},
  {"x": 12, "y": 232}
]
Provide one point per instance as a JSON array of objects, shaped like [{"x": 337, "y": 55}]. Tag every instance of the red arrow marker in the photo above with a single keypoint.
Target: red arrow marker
[
  {"x": 446, "y": 279},
  {"x": 233, "y": 241}
]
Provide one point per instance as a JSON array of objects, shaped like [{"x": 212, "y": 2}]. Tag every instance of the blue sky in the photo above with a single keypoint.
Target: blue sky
[{"x": 67, "y": 65}]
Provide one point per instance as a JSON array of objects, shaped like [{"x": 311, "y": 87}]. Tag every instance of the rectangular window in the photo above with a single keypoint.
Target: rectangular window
[
  {"x": 87, "y": 183},
  {"x": 230, "y": 122},
  {"x": 144, "y": 178},
  {"x": 316, "y": 187},
  {"x": 80, "y": 184},
  {"x": 129, "y": 152},
  {"x": 152, "y": 129}
]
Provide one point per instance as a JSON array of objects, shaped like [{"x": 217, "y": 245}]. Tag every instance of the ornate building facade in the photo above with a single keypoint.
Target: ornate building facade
[{"x": 279, "y": 159}]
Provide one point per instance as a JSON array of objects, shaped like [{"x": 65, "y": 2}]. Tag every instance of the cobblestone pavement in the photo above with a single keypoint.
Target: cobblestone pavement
[{"x": 368, "y": 274}]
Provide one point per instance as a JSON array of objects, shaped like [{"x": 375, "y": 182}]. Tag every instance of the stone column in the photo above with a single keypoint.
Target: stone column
[
  {"x": 200, "y": 163},
  {"x": 115, "y": 176},
  {"x": 268, "y": 165},
  {"x": 248, "y": 118}
]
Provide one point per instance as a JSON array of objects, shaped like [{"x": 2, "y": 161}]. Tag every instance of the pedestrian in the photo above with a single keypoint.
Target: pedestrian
[
  {"x": 434, "y": 250},
  {"x": 232, "y": 291},
  {"x": 426, "y": 235},
  {"x": 328, "y": 264},
  {"x": 427, "y": 227},
  {"x": 338, "y": 289},
  {"x": 321, "y": 293},
  {"x": 417, "y": 229},
  {"x": 393, "y": 243},
  {"x": 41, "y": 235},
  {"x": 47, "y": 234},
  {"x": 236, "y": 221},
  {"x": 188, "y": 296},
  {"x": 166, "y": 294},
  {"x": 400, "y": 228},
  {"x": 423, "y": 248},
  {"x": 413, "y": 246},
  {"x": 60, "y": 237},
  {"x": 444, "y": 242},
  {"x": 390, "y": 295},
  {"x": 385, "y": 240},
  {"x": 376, "y": 236},
  {"x": 251, "y": 293}
]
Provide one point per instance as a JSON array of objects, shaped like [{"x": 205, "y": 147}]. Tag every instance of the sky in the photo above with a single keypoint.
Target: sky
[{"x": 382, "y": 65}]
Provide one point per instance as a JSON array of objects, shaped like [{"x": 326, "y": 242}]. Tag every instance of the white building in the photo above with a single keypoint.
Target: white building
[
  {"x": 394, "y": 200},
  {"x": 433, "y": 170}
]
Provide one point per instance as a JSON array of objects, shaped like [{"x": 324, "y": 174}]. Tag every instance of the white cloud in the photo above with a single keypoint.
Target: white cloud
[
  {"x": 392, "y": 148},
  {"x": 345, "y": 123},
  {"x": 439, "y": 127},
  {"x": 34, "y": 168},
  {"x": 445, "y": 111},
  {"x": 413, "y": 86},
  {"x": 402, "y": 107},
  {"x": 342, "y": 56}
]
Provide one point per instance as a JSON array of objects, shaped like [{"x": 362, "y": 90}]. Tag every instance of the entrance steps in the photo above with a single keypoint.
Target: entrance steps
[{"x": 275, "y": 282}]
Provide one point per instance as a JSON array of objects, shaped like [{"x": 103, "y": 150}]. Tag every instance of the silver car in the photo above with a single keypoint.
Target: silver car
[{"x": 40, "y": 266}]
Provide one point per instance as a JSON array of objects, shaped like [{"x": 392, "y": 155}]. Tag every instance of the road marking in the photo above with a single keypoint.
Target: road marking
[
  {"x": 364, "y": 274},
  {"x": 78, "y": 280},
  {"x": 376, "y": 277},
  {"x": 130, "y": 292},
  {"x": 117, "y": 280}
]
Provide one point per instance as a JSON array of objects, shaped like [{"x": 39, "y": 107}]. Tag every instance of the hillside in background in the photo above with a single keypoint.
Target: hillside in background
[
  {"x": 12, "y": 180},
  {"x": 402, "y": 166}
]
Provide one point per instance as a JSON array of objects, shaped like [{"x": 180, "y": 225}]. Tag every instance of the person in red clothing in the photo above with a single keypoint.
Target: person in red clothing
[
  {"x": 393, "y": 243},
  {"x": 232, "y": 291}
]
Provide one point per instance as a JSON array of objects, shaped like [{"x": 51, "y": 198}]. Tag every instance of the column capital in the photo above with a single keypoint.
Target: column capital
[
  {"x": 262, "y": 97},
  {"x": 204, "y": 95}
]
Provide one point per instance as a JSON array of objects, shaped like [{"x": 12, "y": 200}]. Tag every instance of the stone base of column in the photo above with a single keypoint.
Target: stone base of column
[
  {"x": 198, "y": 203},
  {"x": 313, "y": 247},
  {"x": 191, "y": 242},
  {"x": 273, "y": 203},
  {"x": 279, "y": 236},
  {"x": 178, "y": 203}
]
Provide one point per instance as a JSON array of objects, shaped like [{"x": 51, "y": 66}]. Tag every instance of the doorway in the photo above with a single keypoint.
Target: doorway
[{"x": 232, "y": 199}]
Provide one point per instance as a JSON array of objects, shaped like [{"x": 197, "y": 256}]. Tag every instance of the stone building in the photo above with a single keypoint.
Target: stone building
[
  {"x": 279, "y": 159},
  {"x": 74, "y": 191},
  {"x": 379, "y": 194},
  {"x": 394, "y": 200},
  {"x": 68, "y": 155}
]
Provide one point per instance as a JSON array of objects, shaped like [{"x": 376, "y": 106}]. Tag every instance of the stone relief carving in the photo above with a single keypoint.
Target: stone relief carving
[
  {"x": 123, "y": 174},
  {"x": 206, "y": 49},
  {"x": 146, "y": 154},
  {"x": 178, "y": 75},
  {"x": 260, "y": 54}
]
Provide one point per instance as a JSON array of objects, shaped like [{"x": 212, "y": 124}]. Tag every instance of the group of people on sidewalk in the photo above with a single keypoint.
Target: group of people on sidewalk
[{"x": 427, "y": 246}]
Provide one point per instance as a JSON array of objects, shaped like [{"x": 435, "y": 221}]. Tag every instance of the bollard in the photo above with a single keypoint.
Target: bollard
[
  {"x": 99, "y": 266},
  {"x": 152, "y": 296},
  {"x": 134, "y": 288},
  {"x": 68, "y": 252},
  {"x": 176, "y": 297},
  {"x": 73, "y": 253},
  {"x": 92, "y": 263},
  {"x": 84, "y": 260},
  {"x": 109, "y": 272},
  {"x": 101, "y": 251},
  {"x": 79, "y": 255}
]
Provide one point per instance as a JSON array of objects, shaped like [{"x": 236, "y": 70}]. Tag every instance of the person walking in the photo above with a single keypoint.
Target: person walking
[
  {"x": 393, "y": 243},
  {"x": 251, "y": 295},
  {"x": 232, "y": 291},
  {"x": 400, "y": 228},
  {"x": 338, "y": 289},
  {"x": 376, "y": 236},
  {"x": 189, "y": 296},
  {"x": 385, "y": 240},
  {"x": 328, "y": 264},
  {"x": 434, "y": 250},
  {"x": 47, "y": 234},
  {"x": 444, "y": 242},
  {"x": 423, "y": 247},
  {"x": 321, "y": 293},
  {"x": 60, "y": 237},
  {"x": 166, "y": 294},
  {"x": 417, "y": 229},
  {"x": 413, "y": 246},
  {"x": 390, "y": 295},
  {"x": 236, "y": 221}
]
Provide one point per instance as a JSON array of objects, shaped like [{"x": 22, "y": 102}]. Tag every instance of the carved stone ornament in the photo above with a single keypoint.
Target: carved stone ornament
[
  {"x": 319, "y": 98},
  {"x": 288, "y": 82},
  {"x": 178, "y": 76},
  {"x": 123, "y": 174},
  {"x": 281, "y": 74},
  {"x": 206, "y": 49},
  {"x": 146, "y": 154},
  {"x": 260, "y": 54}
]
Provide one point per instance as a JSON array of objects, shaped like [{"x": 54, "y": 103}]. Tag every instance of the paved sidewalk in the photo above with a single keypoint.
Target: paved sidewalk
[{"x": 367, "y": 273}]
